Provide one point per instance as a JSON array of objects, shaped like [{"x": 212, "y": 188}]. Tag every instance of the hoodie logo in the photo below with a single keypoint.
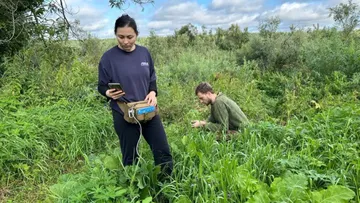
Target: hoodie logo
[{"x": 144, "y": 64}]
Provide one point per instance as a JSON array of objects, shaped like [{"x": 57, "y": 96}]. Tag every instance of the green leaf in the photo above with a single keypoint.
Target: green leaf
[
  {"x": 147, "y": 200},
  {"x": 261, "y": 196},
  {"x": 184, "y": 140},
  {"x": 66, "y": 189},
  {"x": 335, "y": 193},
  {"x": 192, "y": 149},
  {"x": 174, "y": 147},
  {"x": 183, "y": 199},
  {"x": 111, "y": 162},
  {"x": 245, "y": 182},
  {"x": 290, "y": 188},
  {"x": 120, "y": 193},
  {"x": 40, "y": 11},
  {"x": 140, "y": 184}
]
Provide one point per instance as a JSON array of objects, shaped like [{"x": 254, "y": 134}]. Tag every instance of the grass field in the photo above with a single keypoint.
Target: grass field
[{"x": 300, "y": 91}]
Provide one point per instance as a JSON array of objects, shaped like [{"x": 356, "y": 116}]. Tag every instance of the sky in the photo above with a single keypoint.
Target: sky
[{"x": 166, "y": 16}]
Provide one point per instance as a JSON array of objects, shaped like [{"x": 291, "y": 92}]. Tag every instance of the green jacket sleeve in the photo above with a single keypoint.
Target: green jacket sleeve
[
  {"x": 222, "y": 115},
  {"x": 211, "y": 119}
]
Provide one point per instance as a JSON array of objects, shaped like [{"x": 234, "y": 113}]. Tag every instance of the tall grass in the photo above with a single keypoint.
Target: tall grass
[{"x": 300, "y": 94}]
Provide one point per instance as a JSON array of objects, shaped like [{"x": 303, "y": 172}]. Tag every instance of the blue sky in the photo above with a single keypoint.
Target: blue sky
[{"x": 165, "y": 16}]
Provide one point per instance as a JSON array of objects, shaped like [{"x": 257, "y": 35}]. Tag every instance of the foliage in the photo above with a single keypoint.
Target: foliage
[
  {"x": 272, "y": 53},
  {"x": 346, "y": 15},
  {"x": 300, "y": 90},
  {"x": 326, "y": 55},
  {"x": 120, "y": 3},
  {"x": 189, "y": 30},
  {"x": 12, "y": 23},
  {"x": 269, "y": 26},
  {"x": 23, "y": 22},
  {"x": 231, "y": 39}
]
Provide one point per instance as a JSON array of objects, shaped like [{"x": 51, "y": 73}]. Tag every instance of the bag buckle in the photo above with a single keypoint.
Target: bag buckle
[{"x": 131, "y": 113}]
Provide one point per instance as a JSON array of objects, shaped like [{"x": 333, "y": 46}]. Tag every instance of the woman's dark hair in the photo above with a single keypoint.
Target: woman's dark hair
[{"x": 126, "y": 21}]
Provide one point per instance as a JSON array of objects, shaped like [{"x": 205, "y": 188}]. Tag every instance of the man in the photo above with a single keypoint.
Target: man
[{"x": 226, "y": 116}]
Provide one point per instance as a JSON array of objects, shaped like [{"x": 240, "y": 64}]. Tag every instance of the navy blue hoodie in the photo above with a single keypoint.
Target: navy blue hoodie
[{"x": 133, "y": 70}]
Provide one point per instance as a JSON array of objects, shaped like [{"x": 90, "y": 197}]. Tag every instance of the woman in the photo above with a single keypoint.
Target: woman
[{"x": 131, "y": 65}]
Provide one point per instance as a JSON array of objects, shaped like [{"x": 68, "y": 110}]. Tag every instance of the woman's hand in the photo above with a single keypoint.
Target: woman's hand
[
  {"x": 151, "y": 98},
  {"x": 114, "y": 94}
]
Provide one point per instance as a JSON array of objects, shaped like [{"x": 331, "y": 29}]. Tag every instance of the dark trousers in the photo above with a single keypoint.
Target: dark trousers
[{"x": 154, "y": 134}]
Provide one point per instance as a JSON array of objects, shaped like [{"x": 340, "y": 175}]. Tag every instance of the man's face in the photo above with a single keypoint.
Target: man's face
[
  {"x": 126, "y": 38},
  {"x": 204, "y": 98}
]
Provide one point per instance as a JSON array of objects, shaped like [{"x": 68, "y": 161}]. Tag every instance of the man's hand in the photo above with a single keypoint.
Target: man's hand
[
  {"x": 114, "y": 94},
  {"x": 151, "y": 98},
  {"x": 197, "y": 123}
]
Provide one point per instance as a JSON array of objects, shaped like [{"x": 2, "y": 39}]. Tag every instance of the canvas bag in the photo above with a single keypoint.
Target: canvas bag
[{"x": 125, "y": 107}]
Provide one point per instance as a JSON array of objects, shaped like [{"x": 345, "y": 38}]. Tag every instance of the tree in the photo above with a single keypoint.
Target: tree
[
  {"x": 189, "y": 30},
  {"x": 120, "y": 3},
  {"x": 21, "y": 20},
  {"x": 16, "y": 26},
  {"x": 346, "y": 15},
  {"x": 269, "y": 26},
  {"x": 231, "y": 39},
  {"x": 24, "y": 20}
]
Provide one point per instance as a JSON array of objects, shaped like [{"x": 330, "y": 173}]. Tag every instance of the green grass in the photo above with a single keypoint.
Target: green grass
[{"x": 57, "y": 142}]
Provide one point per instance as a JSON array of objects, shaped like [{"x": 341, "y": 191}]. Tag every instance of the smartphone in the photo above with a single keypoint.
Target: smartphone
[{"x": 116, "y": 86}]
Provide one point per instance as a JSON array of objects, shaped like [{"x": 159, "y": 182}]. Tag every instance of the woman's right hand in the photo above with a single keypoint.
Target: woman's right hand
[{"x": 114, "y": 94}]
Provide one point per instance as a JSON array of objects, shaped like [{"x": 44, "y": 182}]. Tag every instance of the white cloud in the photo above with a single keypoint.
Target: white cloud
[
  {"x": 105, "y": 33},
  {"x": 159, "y": 24},
  {"x": 245, "y": 20},
  {"x": 88, "y": 12},
  {"x": 71, "y": 2},
  {"x": 182, "y": 8},
  {"x": 336, "y": 2},
  {"x": 91, "y": 18},
  {"x": 164, "y": 32},
  {"x": 238, "y": 5},
  {"x": 96, "y": 26},
  {"x": 182, "y": 11},
  {"x": 223, "y": 13},
  {"x": 173, "y": 16},
  {"x": 298, "y": 12}
]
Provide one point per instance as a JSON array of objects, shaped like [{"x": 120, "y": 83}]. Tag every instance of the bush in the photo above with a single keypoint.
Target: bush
[
  {"x": 326, "y": 55},
  {"x": 272, "y": 53},
  {"x": 231, "y": 39},
  {"x": 42, "y": 76}
]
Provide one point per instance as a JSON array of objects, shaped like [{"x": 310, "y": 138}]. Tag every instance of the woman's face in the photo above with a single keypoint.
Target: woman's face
[{"x": 126, "y": 38}]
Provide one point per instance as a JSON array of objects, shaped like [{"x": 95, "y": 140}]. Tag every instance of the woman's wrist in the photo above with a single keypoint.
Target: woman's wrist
[{"x": 152, "y": 92}]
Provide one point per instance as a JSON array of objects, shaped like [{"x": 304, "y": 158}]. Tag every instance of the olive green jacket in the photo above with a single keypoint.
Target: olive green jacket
[{"x": 225, "y": 115}]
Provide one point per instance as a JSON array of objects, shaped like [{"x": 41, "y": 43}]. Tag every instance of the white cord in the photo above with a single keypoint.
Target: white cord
[
  {"x": 131, "y": 115},
  {"x": 137, "y": 145}
]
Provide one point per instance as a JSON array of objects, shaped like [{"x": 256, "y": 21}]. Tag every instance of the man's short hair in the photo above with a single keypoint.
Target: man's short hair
[{"x": 203, "y": 88}]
